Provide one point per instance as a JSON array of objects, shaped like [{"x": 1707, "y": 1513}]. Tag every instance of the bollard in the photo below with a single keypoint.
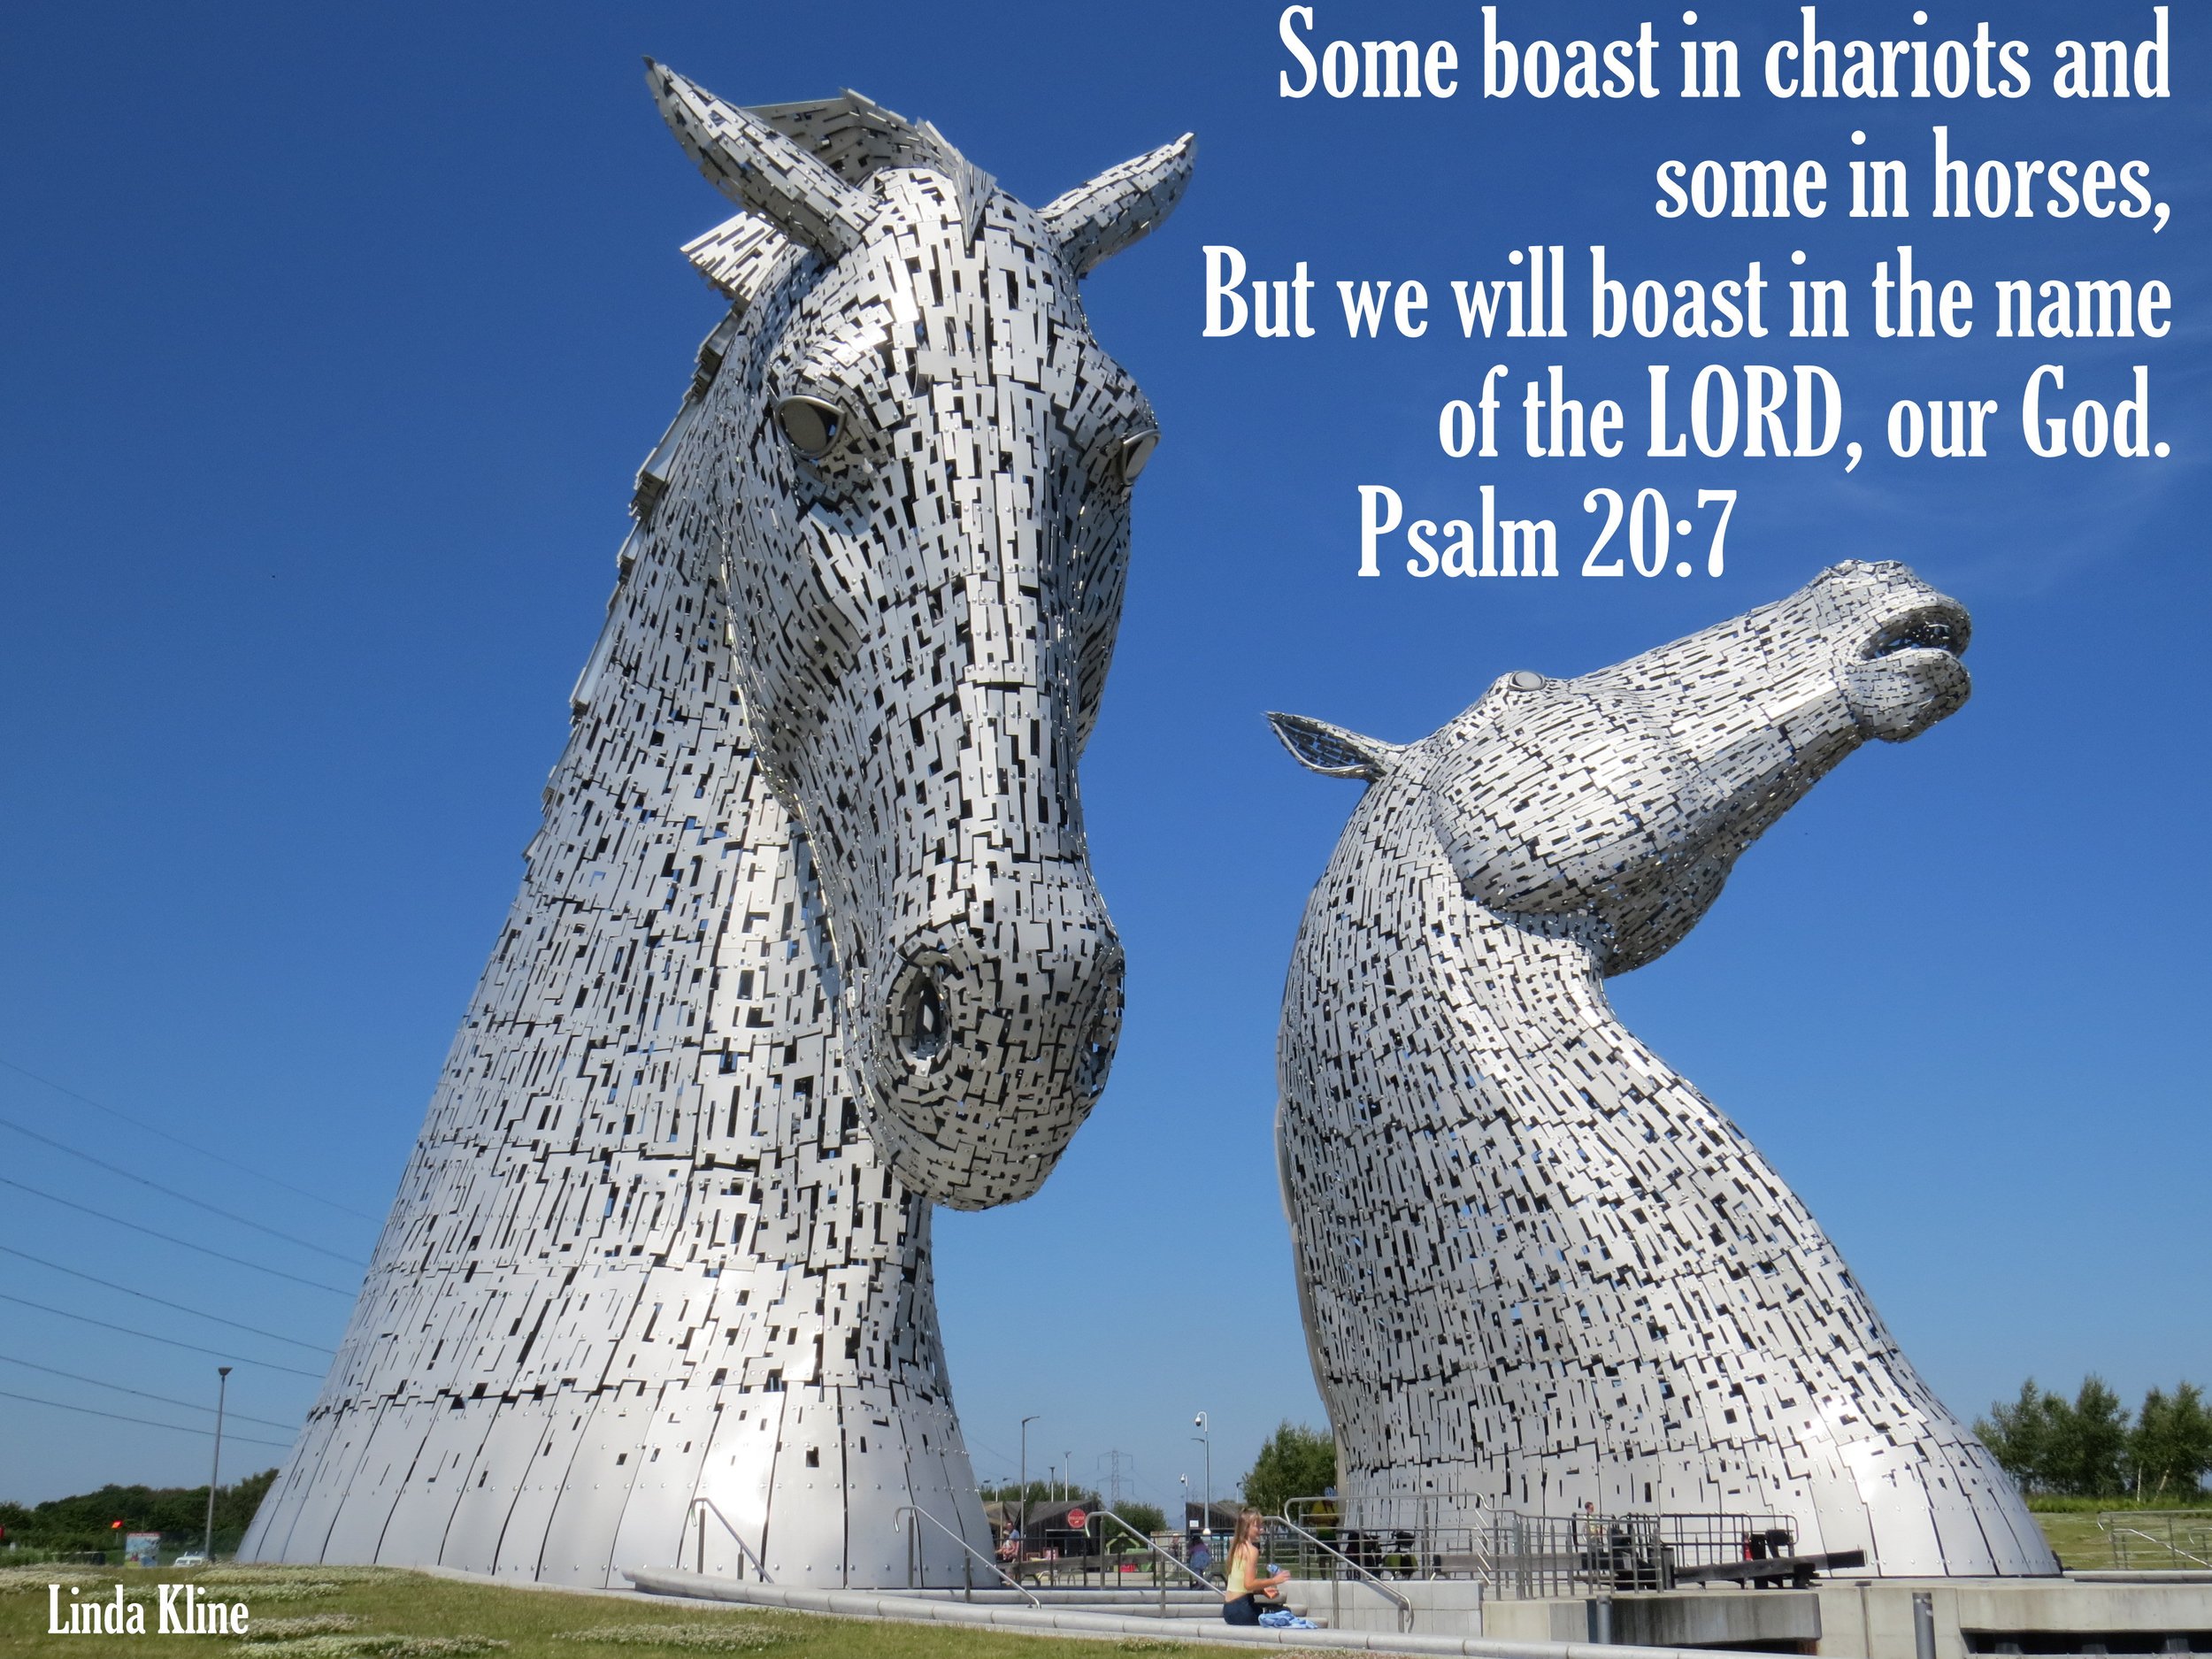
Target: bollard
[
  {"x": 1598, "y": 1609},
  {"x": 1923, "y": 1626}
]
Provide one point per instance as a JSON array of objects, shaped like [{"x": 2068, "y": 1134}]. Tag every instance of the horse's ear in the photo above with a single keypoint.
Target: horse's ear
[
  {"x": 757, "y": 167},
  {"x": 1100, "y": 218},
  {"x": 1332, "y": 751}
]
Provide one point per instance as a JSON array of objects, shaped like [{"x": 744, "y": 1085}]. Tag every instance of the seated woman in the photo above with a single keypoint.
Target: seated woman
[{"x": 1248, "y": 1587}]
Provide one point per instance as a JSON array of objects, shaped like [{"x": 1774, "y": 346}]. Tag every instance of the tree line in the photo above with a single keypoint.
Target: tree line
[
  {"x": 1038, "y": 1492},
  {"x": 87, "y": 1521},
  {"x": 2092, "y": 1447}
]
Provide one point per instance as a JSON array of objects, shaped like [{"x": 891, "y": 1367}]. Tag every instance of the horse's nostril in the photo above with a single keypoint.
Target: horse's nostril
[
  {"x": 1920, "y": 634},
  {"x": 1096, "y": 1054},
  {"x": 921, "y": 1019}
]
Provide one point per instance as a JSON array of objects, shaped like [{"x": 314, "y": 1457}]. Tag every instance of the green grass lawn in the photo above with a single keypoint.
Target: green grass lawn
[
  {"x": 2077, "y": 1537},
  {"x": 337, "y": 1613}
]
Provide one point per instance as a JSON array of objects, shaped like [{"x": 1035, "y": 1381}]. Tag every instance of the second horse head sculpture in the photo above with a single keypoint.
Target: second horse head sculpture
[{"x": 1539, "y": 1270}]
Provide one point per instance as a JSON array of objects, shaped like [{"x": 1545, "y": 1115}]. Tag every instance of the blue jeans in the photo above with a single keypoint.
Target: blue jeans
[{"x": 1244, "y": 1610}]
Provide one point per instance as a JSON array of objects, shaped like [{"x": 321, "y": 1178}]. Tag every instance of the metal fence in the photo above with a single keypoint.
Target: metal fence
[
  {"x": 2158, "y": 1539},
  {"x": 1453, "y": 1535},
  {"x": 1425, "y": 1535},
  {"x": 1450, "y": 1535}
]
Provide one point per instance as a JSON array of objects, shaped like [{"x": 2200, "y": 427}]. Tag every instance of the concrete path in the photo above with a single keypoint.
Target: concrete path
[{"x": 944, "y": 1607}]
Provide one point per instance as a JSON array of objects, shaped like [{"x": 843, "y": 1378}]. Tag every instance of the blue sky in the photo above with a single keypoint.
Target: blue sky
[{"x": 338, "y": 331}]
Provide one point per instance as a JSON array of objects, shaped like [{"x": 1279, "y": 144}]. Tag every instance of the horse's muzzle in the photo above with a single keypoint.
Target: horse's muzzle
[{"x": 980, "y": 1051}]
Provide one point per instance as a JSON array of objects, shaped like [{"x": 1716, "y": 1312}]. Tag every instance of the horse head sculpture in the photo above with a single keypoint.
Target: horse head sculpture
[
  {"x": 807, "y": 940},
  {"x": 1539, "y": 1270},
  {"x": 921, "y": 532},
  {"x": 1627, "y": 795}
]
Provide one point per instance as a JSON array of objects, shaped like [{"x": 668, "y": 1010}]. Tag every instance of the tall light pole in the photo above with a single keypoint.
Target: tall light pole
[
  {"x": 222, "y": 1388},
  {"x": 1186, "y": 1480},
  {"x": 1022, "y": 1525},
  {"x": 1205, "y": 1437},
  {"x": 1067, "y": 1474}
]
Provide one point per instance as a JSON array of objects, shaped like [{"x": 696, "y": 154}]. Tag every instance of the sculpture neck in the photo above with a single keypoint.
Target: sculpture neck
[{"x": 1516, "y": 976}]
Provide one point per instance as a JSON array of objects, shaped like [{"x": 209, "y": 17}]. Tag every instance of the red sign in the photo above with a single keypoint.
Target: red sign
[{"x": 1077, "y": 1520}]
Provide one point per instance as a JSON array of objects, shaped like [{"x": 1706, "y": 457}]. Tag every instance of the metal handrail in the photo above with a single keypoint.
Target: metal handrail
[
  {"x": 1145, "y": 1537},
  {"x": 700, "y": 1505},
  {"x": 1405, "y": 1608},
  {"x": 911, "y": 1509}
]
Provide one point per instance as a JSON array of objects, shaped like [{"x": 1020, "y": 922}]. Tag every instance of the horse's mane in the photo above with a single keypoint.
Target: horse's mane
[{"x": 855, "y": 138}]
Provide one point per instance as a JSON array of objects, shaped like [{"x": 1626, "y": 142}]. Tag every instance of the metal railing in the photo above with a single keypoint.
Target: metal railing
[
  {"x": 1431, "y": 1534},
  {"x": 1103, "y": 1515},
  {"x": 1404, "y": 1607},
  {"x": 2155, "y": 1539},
  {"x": 1551, "y": 1555},
  {"x": 969, "y": 1553},
  {"x": 1536, "y": 1555},
  {"x": 1454, "y": 1535},
  {"x": 700, "y": 1507}
]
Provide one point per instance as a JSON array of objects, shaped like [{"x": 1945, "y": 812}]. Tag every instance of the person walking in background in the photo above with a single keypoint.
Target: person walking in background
[{"x": 1249, "y": 1586}]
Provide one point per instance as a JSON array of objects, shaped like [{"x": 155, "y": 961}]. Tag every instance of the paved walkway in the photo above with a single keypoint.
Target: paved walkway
[{"x": 945, "y": 1607}]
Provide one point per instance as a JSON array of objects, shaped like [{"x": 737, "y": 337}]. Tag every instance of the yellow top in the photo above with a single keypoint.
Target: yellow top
[{"x": 1239, "y": 1581}]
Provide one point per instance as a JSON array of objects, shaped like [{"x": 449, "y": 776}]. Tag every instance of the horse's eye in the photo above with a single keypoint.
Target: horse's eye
[
  {"x": 1136, "y": 450},
  {"x": 810, "y": 425}
]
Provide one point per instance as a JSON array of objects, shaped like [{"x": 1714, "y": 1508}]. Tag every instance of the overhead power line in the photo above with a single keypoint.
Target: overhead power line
[
  {"x": 143, "y": 1422},
  {"x": 151, "y": 1129},
  {"x": 109, "y": 1284},
  {"x": 158, "y": 1399},
  {"x": 170, "y": 1238},
  {"x": 201, "y": 1203},
  {"x": 212, "y": 1353}
]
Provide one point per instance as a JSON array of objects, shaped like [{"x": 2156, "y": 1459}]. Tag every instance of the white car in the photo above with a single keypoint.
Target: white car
[{"x": 191, "y": 1558}]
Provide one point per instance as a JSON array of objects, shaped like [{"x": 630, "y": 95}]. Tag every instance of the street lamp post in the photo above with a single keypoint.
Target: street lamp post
[
  {"x": 1205, "y": 1437},
  {"x": 1022, "y": 1525},
  {"x": 222, "y": 1388}
]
